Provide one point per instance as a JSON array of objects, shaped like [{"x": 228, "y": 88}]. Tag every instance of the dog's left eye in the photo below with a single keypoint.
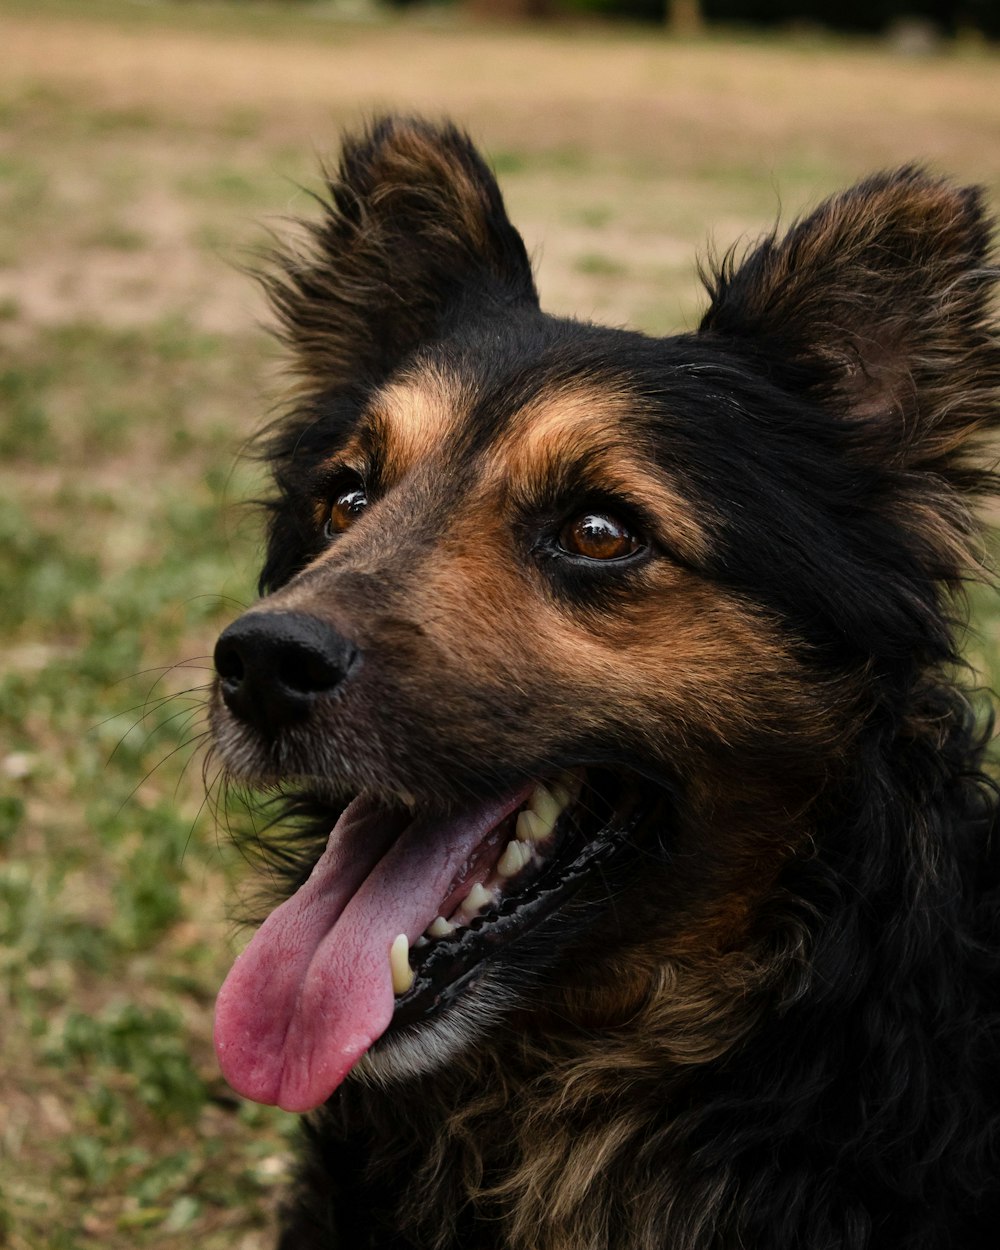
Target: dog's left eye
[
  {"x": 345, "y": 510},
  {"x": 598, "y": 536}
]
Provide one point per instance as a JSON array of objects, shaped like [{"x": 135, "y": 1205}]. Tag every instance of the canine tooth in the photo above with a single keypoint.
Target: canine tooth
[
  {"x": 399, "y": 962},
  {"x": 513, "y": 859},
  {"x": 531, "y": 827},
  {"x": 440, "y": 927},
  {"x": 544, "y": 805},
  {"x": 476, "y": 899}
]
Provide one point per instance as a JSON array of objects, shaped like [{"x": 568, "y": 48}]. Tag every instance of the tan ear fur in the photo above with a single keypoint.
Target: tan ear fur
[
  {"x": 879, "y": 303},
  {"x": 413, "y": 231}
]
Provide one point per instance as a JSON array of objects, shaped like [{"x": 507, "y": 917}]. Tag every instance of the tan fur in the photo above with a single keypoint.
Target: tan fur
[
  {"x": 329, "y": 286},
  {"x": 415, "y": 415},
  {"x": 416, "y": 160},
  {"x": 591, "y": 423}
]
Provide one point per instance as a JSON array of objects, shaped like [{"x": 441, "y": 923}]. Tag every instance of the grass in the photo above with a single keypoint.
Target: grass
[{"x": 132, "y": 371}]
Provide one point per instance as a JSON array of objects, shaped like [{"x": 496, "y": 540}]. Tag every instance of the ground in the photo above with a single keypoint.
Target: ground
[{"x": 145, "y": 153}]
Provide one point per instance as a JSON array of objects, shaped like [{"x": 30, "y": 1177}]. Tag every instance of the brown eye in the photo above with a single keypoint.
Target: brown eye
[
  {"x": 598, "y": 536},
  {"x": 346, "y": 509}
]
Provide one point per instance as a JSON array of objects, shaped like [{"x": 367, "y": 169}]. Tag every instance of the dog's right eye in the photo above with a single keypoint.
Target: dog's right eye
[
  {"x": 345, "y": 509},
  {"x": 598, "y": 536}
]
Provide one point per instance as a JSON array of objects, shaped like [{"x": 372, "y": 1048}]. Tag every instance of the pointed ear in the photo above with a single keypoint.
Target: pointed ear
[
  {"x": 414, "y": 232},
  {"x": 878, "y": 305}
]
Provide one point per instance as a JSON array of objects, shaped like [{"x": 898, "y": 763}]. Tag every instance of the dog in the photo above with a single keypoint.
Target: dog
[{"x": 661, "y": 907}]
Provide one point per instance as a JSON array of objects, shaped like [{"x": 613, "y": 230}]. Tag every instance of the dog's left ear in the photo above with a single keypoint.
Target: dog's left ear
[
  {"x": 414, "y": 235},
  {"x": 878, "y": 304}
]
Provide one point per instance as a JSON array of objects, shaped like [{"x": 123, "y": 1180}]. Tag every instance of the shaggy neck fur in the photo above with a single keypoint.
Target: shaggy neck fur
[{"x": 863, "y": 1021}]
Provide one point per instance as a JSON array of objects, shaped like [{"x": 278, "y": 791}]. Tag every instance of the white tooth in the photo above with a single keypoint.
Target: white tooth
[
  {"x": 440, "y": 928},
  {"x": 531, "y": 827},
  {"x": 544, "y": 805},
  {"x": 476, "y": 899},
  {"x": 513, "y": 859},
  {"x": 399, "y": 962}
]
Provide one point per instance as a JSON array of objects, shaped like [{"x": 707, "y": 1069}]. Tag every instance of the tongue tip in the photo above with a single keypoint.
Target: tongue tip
[
  {"x": 280, "y": 1076},
  {"x": 271, "y": 1085},
  {"x": 303, "y": 1088},
  {"x": 242, "y": 1069},
  {"x": 306, "y": 1099}
]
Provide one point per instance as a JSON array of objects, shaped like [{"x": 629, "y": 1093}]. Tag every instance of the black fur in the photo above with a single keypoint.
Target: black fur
[{"x": 829, "y": 425}]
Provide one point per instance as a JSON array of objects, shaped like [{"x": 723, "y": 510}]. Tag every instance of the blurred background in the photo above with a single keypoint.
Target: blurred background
[{"x": 146, "y": 149}]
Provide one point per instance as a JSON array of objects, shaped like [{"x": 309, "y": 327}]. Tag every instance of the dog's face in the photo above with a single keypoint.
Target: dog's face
[{"x": 556, "y": 631}]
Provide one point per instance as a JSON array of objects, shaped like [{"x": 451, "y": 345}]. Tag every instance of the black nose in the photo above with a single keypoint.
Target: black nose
[{"x": 273, "y": 666}]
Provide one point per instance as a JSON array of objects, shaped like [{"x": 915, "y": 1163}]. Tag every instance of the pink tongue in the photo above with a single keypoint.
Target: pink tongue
[{"x": 313, "y": 990}]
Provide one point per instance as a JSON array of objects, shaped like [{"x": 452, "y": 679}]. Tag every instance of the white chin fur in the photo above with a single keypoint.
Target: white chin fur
[{"x": 431, "y": 1045}]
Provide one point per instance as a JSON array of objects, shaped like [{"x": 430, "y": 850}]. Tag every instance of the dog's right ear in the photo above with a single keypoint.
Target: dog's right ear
[{"x": 414, "y": 234}]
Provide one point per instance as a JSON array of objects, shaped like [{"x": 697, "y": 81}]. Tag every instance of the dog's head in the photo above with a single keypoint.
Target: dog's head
[{"x": 569, "y": 629}]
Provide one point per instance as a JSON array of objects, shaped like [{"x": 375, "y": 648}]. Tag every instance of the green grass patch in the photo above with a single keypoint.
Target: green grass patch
[
  {"x": 600, "y": 265},
  {"x": 115, "y": 236}
]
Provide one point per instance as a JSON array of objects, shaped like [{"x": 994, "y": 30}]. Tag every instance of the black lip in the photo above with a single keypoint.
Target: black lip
[{"x": 444, "y": 970}]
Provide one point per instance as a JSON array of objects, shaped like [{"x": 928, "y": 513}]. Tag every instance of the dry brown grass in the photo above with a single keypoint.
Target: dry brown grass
[{"x": 661, "y": 143}]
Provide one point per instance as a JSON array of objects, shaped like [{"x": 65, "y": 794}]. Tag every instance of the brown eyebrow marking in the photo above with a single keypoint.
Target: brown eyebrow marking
[
  {"x": 404, "y": 424},
  {"x": 595, "y": 426},
  {"x": 412, "y": 418}
]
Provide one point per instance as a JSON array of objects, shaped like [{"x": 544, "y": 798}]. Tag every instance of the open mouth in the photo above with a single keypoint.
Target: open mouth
[
  {"x": 400, "y": 915},
  {"x": 529, "y": 864}
]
